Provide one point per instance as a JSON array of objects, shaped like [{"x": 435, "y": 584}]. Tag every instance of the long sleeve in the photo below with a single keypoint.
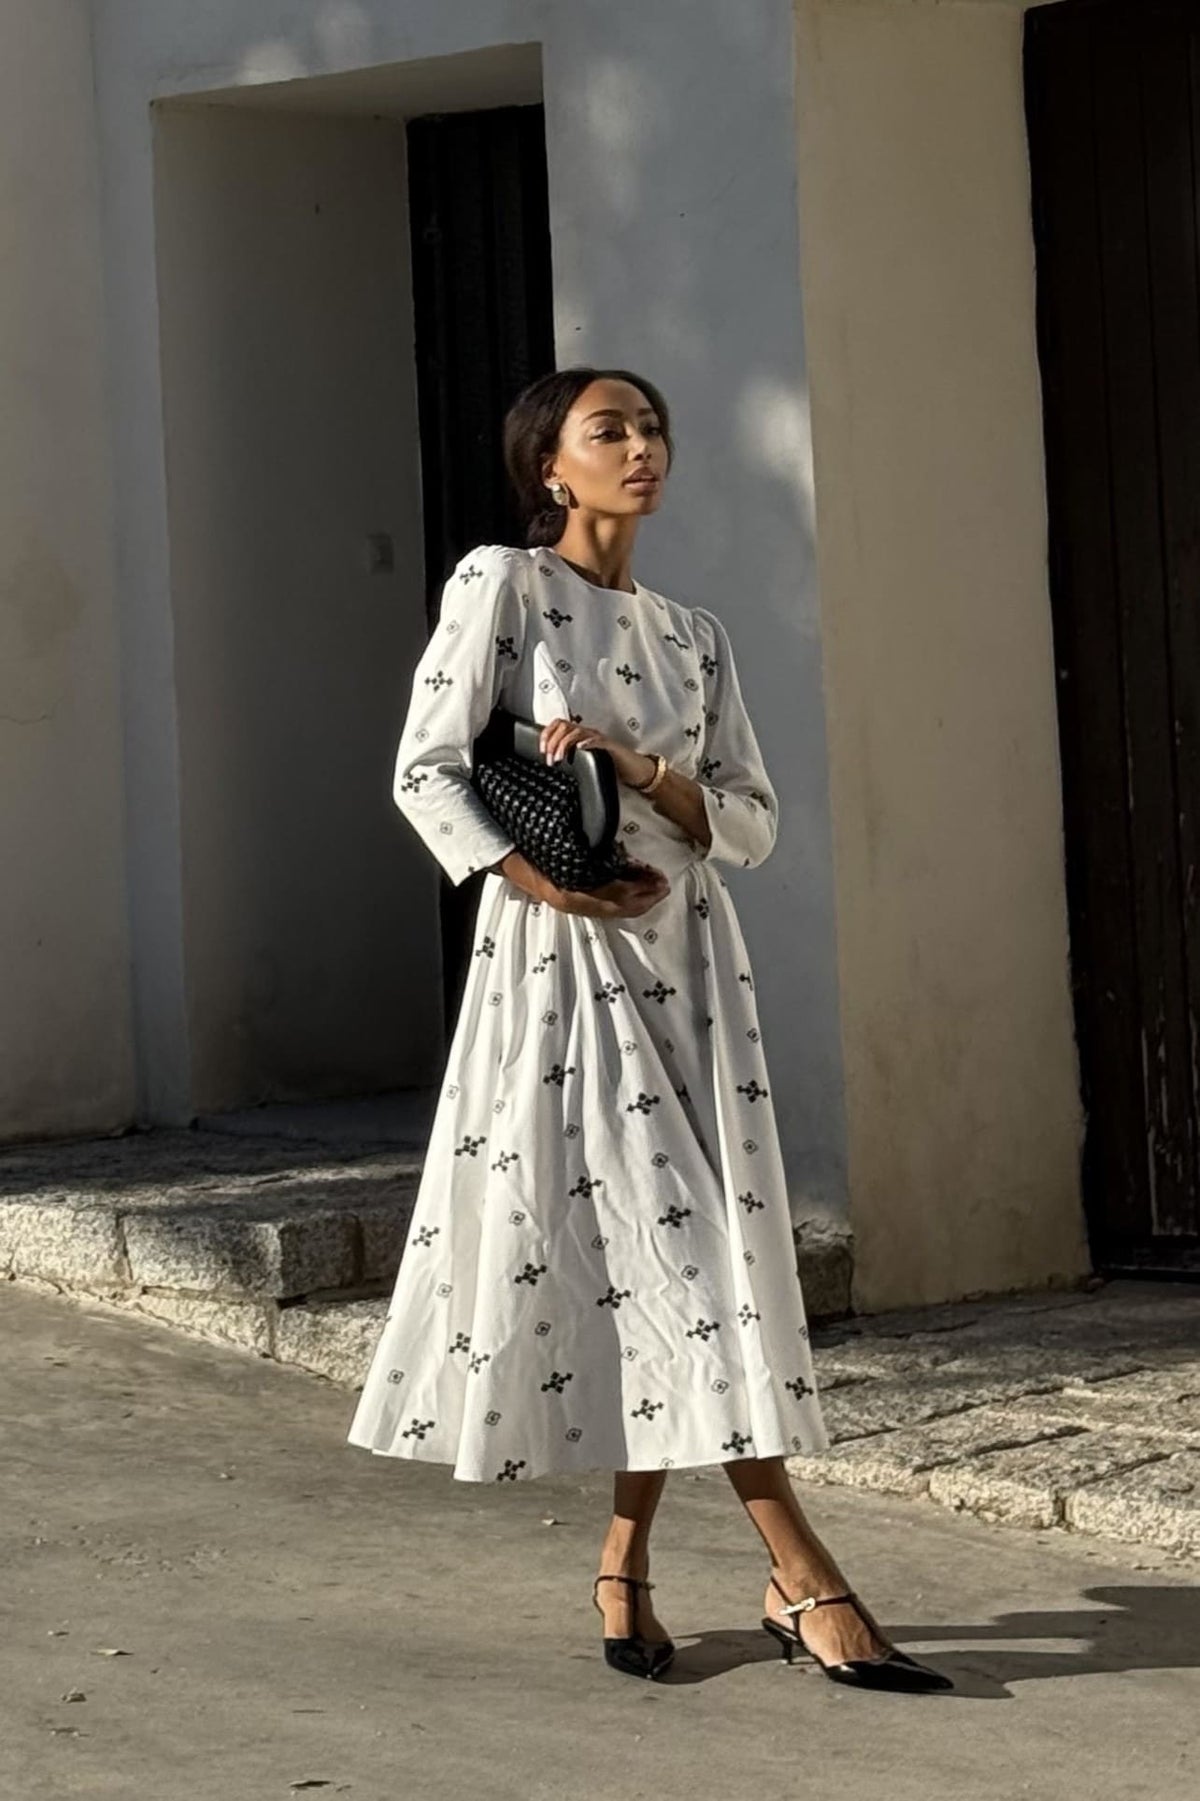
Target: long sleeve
[
  {"x": 739, "y": 800},
  {"x": 459, "y": 679}
]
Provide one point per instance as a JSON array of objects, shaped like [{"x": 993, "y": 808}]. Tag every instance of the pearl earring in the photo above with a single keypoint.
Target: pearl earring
[{"x": 558, "y": 490}]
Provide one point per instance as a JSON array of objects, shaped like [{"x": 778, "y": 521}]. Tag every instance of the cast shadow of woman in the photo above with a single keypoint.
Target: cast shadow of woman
[{"x": 1122, "y": 1629}]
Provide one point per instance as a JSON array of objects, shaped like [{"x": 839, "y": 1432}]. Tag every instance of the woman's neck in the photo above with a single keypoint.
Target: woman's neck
[{"x": 605, "y": 565}]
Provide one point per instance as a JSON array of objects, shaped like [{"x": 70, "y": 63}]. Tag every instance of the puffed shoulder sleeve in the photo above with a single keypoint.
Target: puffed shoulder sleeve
[
  {"x": 460, "y": 677},
  {"x": 739, "y": 800}
]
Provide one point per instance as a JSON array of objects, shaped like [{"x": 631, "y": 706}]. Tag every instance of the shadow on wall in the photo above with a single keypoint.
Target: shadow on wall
[{"x": 705, "y": 299}]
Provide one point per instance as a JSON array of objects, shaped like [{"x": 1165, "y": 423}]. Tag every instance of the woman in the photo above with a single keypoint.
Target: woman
[{"x": 600, "y": 1270}]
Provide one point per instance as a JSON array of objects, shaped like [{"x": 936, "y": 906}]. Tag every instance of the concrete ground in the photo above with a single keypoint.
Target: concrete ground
[{"x": 246, "y": 1606}]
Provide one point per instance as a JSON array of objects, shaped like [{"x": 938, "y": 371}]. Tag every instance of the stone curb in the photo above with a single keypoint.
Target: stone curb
[
  {"x": 1078, "y": 1413},
  {"x": 176, "y": 1212}
]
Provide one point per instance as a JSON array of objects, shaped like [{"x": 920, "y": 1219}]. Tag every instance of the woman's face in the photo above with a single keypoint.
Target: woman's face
[{"x": 611, "y": 434}]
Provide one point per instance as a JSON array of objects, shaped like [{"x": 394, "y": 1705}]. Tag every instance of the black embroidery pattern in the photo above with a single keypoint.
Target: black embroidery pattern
[
  {"x": 469, "y": 1146},
  {"x": 752, "y": 1091},
  {"x": 643, "y": 1103},
  {"x": 703, "y": 1328},
  {"x": 674, "y": 1216},
  {"x": 558, "y": 1381},
  {"x": 531, "y": 1274},
  {"x": 614, "y": 1297}
]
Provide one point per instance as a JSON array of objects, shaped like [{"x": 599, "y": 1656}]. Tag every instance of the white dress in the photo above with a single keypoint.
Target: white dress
[{"x": 600, "y": 1272}]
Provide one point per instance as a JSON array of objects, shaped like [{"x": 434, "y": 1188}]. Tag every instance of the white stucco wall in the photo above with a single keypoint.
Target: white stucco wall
[
  {"x": 671, "y": 149},
  {"x": 65, "y": 1061},
  {"x": 961, "y": 1080}
]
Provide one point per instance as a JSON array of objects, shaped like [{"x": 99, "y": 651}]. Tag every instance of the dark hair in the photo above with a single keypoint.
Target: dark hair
[{"x": 531, "y": 431}]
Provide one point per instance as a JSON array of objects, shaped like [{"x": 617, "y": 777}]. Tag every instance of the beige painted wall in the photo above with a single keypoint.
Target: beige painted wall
[
  {"x": 962, "y": 1101},
  {"x": 290, "y": 411},
  {"x": 65, "y": 1057}
]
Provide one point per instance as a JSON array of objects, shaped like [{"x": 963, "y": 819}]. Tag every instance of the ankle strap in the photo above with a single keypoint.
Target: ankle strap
[
  {"x": 633, "y": 1581},
  {"x": 811, "y": 1601}
]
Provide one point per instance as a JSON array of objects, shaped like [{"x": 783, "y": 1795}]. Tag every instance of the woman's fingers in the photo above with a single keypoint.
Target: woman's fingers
[
  {"x": 558, "y": 735},
  {"x": 553, "y": 738}
]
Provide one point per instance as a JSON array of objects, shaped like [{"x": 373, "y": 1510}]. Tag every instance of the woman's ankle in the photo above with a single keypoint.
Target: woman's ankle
[
  {"x": 625, "y": 1557},
  {"x": 799, "y": 1580}
]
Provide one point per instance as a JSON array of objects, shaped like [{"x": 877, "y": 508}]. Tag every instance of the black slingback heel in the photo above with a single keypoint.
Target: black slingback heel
[
  {"x": 634, "y": 1656},
  {"x": 894, "y": 1670}
]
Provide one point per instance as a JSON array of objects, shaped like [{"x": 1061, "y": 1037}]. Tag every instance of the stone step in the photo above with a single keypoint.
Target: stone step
[
  {"x": 219, "y": 1233},
  {"x": 282, "y": 1245},
  {"x": 1054, "y": 1412}
]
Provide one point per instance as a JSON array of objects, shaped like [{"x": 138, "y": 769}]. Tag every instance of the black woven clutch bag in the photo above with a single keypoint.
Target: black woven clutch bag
[{"x": 562, "y": 816}]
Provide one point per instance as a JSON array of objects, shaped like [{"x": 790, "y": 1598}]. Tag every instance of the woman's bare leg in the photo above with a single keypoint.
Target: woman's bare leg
[
  {"x": 800, "y": 1563},
  {"x": 626, "y": 1552}
]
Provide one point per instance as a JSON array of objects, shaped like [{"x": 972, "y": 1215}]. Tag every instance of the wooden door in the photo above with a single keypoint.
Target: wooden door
[
  {"x": 483, "y": 305},
  {"x": 1113, "y": 106}
]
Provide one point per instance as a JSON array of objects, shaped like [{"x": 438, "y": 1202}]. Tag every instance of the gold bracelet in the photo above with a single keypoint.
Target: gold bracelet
[{"x": 660, "y": 770}]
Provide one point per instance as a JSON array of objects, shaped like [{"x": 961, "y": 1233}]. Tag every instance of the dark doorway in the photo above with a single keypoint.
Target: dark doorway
[
  {"x": 483, "y": 302},
  {"x": 1113, "y": 106}
]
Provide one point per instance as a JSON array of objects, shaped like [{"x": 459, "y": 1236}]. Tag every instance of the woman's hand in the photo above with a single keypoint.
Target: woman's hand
[
  {"x": 561, "y": 735},
  {"x": 678, "y": 797},
  {"x": 625, "y": 898},
  {"x": 635, "y": 893}
]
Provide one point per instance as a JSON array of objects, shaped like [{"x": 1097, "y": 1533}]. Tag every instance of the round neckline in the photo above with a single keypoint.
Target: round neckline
[{"x": 637, "y": 592}]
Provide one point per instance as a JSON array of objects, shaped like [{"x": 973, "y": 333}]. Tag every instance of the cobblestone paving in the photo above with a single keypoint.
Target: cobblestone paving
[{"x": 1073, "y": 1412}]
